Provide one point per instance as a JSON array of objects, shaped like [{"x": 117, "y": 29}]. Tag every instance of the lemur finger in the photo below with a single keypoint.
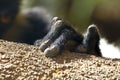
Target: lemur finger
[
  {"x": 56, "y": 47},
  {"x": 92, "y": 39},
  {"x": 52, "y": 35}
]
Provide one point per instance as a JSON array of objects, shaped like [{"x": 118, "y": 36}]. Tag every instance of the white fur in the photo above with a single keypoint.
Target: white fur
[{"x": 109, "y": 50}]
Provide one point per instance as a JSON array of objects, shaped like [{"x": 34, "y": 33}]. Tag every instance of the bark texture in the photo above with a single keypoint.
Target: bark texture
[{"x": 25, "y": 62}]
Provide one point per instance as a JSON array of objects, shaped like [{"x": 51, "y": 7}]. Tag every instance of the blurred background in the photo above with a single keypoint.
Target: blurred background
[{"x": 81, "y": 13}]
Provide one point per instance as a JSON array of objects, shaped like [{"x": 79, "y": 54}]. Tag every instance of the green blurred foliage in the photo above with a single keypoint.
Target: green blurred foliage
[{"x": 79, "y": 12}]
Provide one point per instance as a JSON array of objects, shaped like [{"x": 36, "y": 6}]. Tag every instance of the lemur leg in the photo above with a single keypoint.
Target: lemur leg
[{"x": 91, "y": 41}]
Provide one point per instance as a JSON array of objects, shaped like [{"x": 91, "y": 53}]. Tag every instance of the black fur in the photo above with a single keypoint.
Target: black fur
[{"x": 9, "y": 9}]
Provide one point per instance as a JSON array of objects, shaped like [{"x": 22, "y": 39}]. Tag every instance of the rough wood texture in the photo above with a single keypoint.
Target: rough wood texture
[{"x": 25, "y": 62}]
